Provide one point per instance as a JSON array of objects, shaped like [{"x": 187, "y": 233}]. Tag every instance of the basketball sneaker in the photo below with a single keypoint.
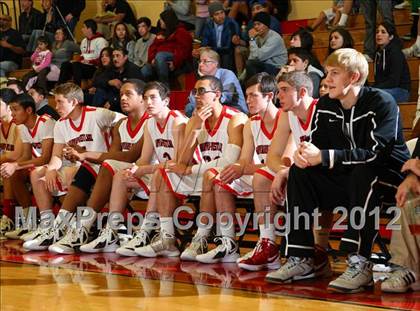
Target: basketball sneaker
[
  {"x": 197, "y": 247},
  {"x": 47, "y": 237},
  {"x": 401, "y": 281},
  {"x": 295, "y": 269},
  {"x": 71, "y": 242},
  {"x": 32, "y": 235},
  {"x": 141, "y": 238},
  {"x": 162, "y": 244},
  {"x": 412, "y": 51},
  {"x": 16, "y": 234},
  {"x": 106, "y": 242},
  {"x": 264, "y": 256},
  {"x": 6, "y": 225},
  {"x": 357, "y": 278},
  {"x": 227, "y": 250}
]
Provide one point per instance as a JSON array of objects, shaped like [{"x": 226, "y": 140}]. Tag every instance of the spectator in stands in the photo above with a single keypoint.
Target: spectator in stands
[
  {"x": 71, "y": 11},
  {"x": 100, "y": 78},
  {"x": 267, "y": 50},
  {"x": 391, "y": 69},
  {"x": 121, "y": 70},
  {"x": 41, "y": 61},
  {"x": 414, "y": 50},
  {"x": 238, "y": 8},
  {"x": 63, "y": 50},
  {"x": 299, "y": 60},
  {"x": 29, "y": 19},
  {"x": 242, "y": 41},
  {"x": 323, "y": 88},
  {"x": 369, "y": 9},
  {"x": 121, "y": 37},
  {"x": 302, "y": 38},
  {"x": 339, "y": 38},
  {"x": 337, "y": 15},
  {"x": 40, "y": 97},
  {"x": 405, "y": 242},
  {"x": 15, "y": 85},
  {"x": 171, "y": 48},
  {"x": 48, "y": 28},
  {"x": 218, "y": 35},
  {"x": 138, "y": 51},
  {"x": 116, "y": 11},
  {"x": 90, "y": 48},
  {"x": 201, "y": 16},
  {"x": 182, "y": 9},
  {"x": 232, "y": 95},
  {"x": 12, "y": 46},
  {"x": 281, "y": 9}
]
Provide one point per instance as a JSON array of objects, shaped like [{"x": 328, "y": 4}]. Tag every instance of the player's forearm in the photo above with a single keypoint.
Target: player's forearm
[{"x": 55, "y": 163}]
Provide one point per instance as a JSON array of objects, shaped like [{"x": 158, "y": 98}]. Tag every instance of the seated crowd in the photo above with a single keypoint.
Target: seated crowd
[{"x": 292, "y": 133}]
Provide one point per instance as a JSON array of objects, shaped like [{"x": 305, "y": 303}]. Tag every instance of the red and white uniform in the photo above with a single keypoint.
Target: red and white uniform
[
  {"x": 211, "y": 145},
  {"x": 43, "y": 129},
  {"x": 8, "y": 138},
  {"x": 262, "y": 138},
  {"x": 90, "y": 131},
  {"x": 128, "y": 136},
  {"x": 300, "y": 130}
]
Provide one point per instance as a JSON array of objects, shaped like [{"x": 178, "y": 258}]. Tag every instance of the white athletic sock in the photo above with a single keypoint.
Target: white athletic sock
[
  {"x": 150, "y": 223},
  {"x": 418, "y": 41},
  {"x": 62, "y": 214},
  {"x": 88, "y": 218},
  {"x": 343, "y": 20},
  {"x": 227, "y": 229},
  {"x": 267, "y": 231},
  {"x": 167, "y": 225},
  {"x": 203, "y": 232},
  {"x": 45, "y": 218}
]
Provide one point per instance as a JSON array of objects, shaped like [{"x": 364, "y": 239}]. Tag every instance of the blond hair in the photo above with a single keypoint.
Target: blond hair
[
  {"x": 70, "y": 91},
  {"x": 351, "y": 61}
]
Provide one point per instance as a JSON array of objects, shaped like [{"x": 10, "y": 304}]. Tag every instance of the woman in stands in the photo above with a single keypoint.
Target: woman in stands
[
  {"x": 121, "y": 37},
  {"x": 391, "y": 68},
  {"x": 302, "y": 38},
  {"x": 339, "y": 38}
]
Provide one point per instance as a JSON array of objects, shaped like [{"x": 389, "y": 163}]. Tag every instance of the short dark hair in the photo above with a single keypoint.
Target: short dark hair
[
  {"x": 215, "y": 83},
  {"x": 302, "y": 53},
  {"x": 43, "y": 39},
  {"x": 40, "y": 90},
  {"x": 138, "y": 84},
  {"x": 306, "y": 38},
  {"x": 90, "y": 23},
  {"x": 25, "y": 101},
  {"x": 121, "y": 49},
  {"x": 145, "y": 20},
  {"x": 347, "y": 39},
  {"x": 7, "y": 95},
  {"x": 266, "y": 83},
  {"x": 16, "y": 82},
  {"x": 162, "y": 88}
]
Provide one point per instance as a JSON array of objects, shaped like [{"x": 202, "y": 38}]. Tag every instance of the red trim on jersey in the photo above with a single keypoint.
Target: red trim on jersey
[
  {"x": 108, "y": 167},
  {"x": 309, "y": 117},
  {"x": 162, "y": 129},
  {"x": 6, "y": 135},
  {"x": 35, "y": 128},
  {"x": 230, "y": 189},
  {"x": 34, "y": 153},
  {"x": 264, "y": 128},
  {"x": 265, "y": 174},
  {"x": 143, "y": 185},
  {"x": 169, "y": 184},
  {"x": 213, "y": 131},
  {"x": 139, "y": 125},
  {"x": 90, "y": 169},
  {"x": 82, "y": 120}
]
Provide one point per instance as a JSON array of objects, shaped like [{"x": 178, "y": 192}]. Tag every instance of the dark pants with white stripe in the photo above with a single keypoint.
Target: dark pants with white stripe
[{"x": 357, "y": 190}]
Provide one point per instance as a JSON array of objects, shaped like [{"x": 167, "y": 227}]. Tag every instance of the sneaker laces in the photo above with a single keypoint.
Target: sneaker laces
[
  {"x": 139, "y": 237},
  {"x": 224, "y": 243},
  {"x": 352, "y": 270},
  {"x": 106, "y": 232},
  {"x": 199, "y": 243}
]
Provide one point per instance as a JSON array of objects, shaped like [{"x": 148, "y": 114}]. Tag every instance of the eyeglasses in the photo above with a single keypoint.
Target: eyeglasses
[
  {"x": 206, "y": 62},
  {"x": 201, "y": 91}
]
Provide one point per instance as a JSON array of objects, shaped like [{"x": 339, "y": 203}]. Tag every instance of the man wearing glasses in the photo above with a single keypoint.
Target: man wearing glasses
[
  {"x": 213, "y": 138},
  {"x": 232, "y": 94}
]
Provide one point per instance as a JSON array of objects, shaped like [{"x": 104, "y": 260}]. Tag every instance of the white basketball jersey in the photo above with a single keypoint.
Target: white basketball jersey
[
  {"x": 43, "y": 129},
  {"x": 91, "y": 130},
  {"x": 212, "y": 142},
  {"x": 128, "y": 136},
  {"x": 262, "y": 137},
  {"x": 300, "y": 130},
  {"x": 8, "y": 138},
  {"x": 163, "y": 137}
]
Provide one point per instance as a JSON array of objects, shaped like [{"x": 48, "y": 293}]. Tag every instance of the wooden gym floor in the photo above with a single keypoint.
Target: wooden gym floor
[{"x": 43, "y": 281}]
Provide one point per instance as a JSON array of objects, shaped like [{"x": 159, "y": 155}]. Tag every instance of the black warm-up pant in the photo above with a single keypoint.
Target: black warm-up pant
[{"x": 359, "y": 190}]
